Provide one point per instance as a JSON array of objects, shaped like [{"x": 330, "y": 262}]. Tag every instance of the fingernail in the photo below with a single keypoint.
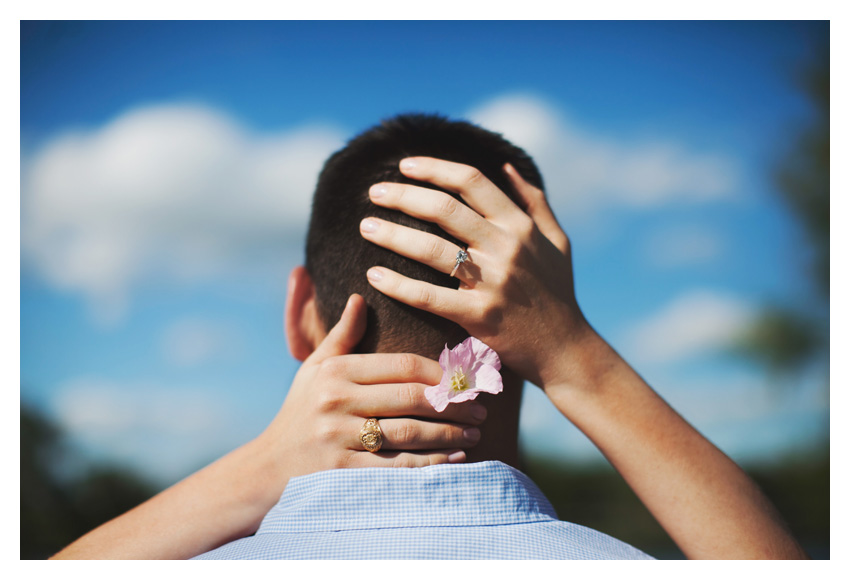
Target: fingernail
[
  {"x": 374, "y": 274},
  {"x": 369, "y": 226},
  {"x": 457, "y": 457},
  {"x": 377, "y": 190},
  {"x": 478, "y": 412},
  {"x": 473, "y": 434},
  {"x": 408, "y": 164}
]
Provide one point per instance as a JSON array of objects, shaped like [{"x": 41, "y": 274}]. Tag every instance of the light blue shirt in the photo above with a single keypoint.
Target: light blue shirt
[{"x": 452, "y": 512}]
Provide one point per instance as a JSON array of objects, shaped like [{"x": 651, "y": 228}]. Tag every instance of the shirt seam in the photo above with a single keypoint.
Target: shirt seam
[{"x": 381, "y": 527}]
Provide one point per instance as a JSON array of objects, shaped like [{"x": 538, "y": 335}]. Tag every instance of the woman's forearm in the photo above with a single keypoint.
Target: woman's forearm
[
  {"x": 228, "y": 499},
  {"x": 518, "y": 298},
  {"x": 222, "y": 502},
  {"x": 705, "y": 502}
]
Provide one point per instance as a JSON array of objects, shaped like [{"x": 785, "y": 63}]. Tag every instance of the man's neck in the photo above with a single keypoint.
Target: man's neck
[{"x": 500, "y": 430}]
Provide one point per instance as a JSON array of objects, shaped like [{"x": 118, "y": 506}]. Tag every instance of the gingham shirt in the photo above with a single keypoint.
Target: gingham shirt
[{"x": 453, "y": 512}]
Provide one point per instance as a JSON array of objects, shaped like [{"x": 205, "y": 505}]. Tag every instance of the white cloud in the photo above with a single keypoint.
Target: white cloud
[
  {"x": 194, "y": 341},
  {"x": 164, "y": 432},
  {"x": 181, "y": 192},
  {"x": 683, "y": 246},
  {"x": 175, "y": 190},
  {"x": 695, "y": 323},
  {"x": 584, "y": 171}
]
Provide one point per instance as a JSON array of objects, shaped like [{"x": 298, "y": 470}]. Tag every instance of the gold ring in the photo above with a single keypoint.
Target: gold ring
[{"x": 371, "y": 436}]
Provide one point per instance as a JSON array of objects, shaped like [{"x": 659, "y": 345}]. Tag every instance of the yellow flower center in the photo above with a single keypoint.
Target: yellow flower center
[{"x": 459, "y": 381}]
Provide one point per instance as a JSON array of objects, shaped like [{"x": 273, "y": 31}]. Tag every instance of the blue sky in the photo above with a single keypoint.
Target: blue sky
[{"x": 167, "y": 170}]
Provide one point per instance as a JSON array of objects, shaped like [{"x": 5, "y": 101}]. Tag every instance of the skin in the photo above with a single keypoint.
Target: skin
[
  {"x": 316, "y": 429},
  {"x": 517, "y": 296}
]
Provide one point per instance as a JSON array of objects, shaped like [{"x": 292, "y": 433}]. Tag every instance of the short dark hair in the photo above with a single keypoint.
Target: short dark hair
[{"x": 338, "y": 256}]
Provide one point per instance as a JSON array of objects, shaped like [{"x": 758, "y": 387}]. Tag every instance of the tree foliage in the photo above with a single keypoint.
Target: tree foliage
[
  {"x": 55, "y": 511},
  {"x": 787, "y": 339},
  {"x": 802, "y": 177}
]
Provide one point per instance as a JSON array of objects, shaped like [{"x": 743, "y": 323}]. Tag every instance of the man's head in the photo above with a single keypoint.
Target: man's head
[{"x": 338, "y": 257}]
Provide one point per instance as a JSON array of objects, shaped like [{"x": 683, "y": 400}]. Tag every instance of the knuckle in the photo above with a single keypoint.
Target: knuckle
[
  {"x": 347, "y": 460},
  {"x": 538, "y": 198},
  {"x": 405, "y": 434},
  {"x": 447, "y": 207},
  {"x": 434, "y": 250},
  {"x": 504, "y": 278},
  {"x": 471, "y": 177},
  {"x": 326, "y": 431},
  {"x": 491, "y": 313},
  {"x": 525, "y": 226},
  {"x": 332, "y": 367},
  {"x": 404, "y": 460},
  {"x": 425, "y": 298},
  {"x": 408, "y": 396},
  {"x": 327, "y": 400},
  {"x": 515, "y": 253},
  {"x": 407, "y": 365},
  {"x": 451, "y": 434}
]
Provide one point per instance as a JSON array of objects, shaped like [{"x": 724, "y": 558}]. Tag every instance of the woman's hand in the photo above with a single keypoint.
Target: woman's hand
[
  {"x": 516, "y": 289},
  {"x": 516, "y": 294},
  {"x": 334, "y": 393},
  {"x": 316, "y": 429}
]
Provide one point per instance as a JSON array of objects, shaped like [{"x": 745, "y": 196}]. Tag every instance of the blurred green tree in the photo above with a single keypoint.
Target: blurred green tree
[
  {"x": 786, "y": 339},
  {"x": 56, "y": 510}
]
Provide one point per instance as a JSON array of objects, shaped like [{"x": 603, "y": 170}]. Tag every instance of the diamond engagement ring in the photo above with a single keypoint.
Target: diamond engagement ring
[
  {"x": 461, "y": 257},
  {"x": 371, "y": 436}
]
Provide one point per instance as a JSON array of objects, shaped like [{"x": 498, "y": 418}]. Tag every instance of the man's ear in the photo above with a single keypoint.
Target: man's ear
[{"x": 304, "y": 327}]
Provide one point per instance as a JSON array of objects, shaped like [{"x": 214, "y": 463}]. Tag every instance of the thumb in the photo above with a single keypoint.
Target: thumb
[{"x": 345, "y": 335}]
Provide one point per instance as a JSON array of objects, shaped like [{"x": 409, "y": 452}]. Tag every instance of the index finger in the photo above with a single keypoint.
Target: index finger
[
  {"x": 480, "y": 193},
  {"x": 377, "y": 368},
  {"x": 409, "y": 400}
]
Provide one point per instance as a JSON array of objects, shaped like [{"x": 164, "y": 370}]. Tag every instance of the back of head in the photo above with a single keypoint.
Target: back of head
[{"x": 338, "y": 256}]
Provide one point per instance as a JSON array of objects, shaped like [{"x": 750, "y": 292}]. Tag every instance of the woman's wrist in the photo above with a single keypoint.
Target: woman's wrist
[
  {"x": 255, "y": 480},
  {"x": 267, "y": 462},
  {"x": 579, "y": 363},
  {"x": 590, "y": 379}
]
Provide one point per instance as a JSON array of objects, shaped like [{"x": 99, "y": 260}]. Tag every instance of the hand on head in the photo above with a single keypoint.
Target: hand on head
[
  {"x": 334, "y": 393},
  {"x": 516, "y": 292}
]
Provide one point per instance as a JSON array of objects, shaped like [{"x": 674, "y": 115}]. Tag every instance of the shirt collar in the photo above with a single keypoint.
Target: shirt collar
[{"x": 473, "y": 494}]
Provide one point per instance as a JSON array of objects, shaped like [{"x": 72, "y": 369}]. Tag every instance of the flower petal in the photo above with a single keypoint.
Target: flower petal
[
  {"x": 483, "y": 353},
  {"x": 444, "y": 359},
  {"x": 478, "y": 362},
  {"x": 461, "y": 396},
  {"x": 438, "y": 397},
  {"x": 464, "y": 356},
  {"x": 488, "y": 380}
]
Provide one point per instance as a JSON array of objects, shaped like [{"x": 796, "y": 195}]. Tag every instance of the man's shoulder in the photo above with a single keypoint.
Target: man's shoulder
[{"x": 461, "y": 511}]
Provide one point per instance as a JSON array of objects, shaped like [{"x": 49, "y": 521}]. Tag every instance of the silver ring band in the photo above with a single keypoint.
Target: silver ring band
[{"x": 461, "y": 257}]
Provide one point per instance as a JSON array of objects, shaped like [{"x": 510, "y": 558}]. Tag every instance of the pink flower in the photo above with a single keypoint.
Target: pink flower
[{"x": 470, "y": 368}]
